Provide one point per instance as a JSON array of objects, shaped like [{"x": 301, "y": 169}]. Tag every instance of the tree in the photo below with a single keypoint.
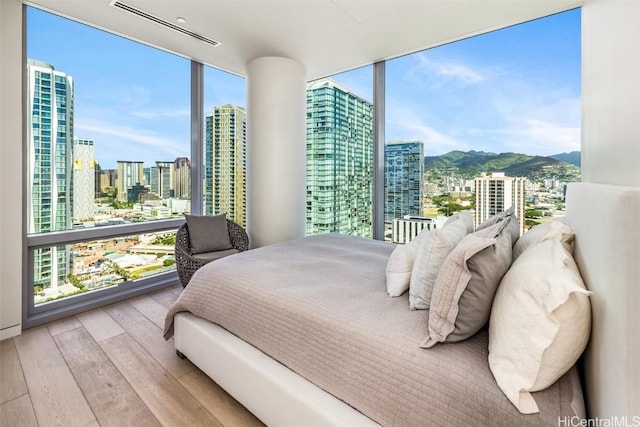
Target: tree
[
  {"x": 532, "y": 213},
  {"x": 530, "y": 223}
]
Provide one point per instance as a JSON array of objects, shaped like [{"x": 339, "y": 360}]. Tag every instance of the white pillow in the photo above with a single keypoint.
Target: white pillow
[
  {"x": 464, "y": 216},
  {"x": 540, "y": 323},
  {"x": 545, "y": 231},
  {"x": 400, "y": 265},
  {"x": 432, "y": 252}
]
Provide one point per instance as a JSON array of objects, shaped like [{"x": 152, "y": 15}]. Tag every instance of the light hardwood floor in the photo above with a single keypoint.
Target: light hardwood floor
[{"x": 109, "y": 366}]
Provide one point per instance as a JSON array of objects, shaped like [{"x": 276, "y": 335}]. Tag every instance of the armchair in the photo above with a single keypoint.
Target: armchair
[{"x": 187, "y": 263}]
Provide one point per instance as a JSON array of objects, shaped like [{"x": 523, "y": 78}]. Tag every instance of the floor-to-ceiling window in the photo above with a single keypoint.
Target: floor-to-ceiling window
[
  {"x": 109, "y": 161},
  {"x": 505, "y": 103}
]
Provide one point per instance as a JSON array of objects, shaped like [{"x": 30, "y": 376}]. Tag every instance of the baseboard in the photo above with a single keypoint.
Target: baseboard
[{"x": 10, "y": 332}]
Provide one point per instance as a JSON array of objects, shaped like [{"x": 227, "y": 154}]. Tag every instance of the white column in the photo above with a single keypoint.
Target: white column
[{"x": 276, "y": 150}]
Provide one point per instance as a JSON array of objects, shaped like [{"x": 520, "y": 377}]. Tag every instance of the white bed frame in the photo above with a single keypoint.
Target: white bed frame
[
  {"x": 272, "y": 392},
  {"x": 605, "y": 219}
]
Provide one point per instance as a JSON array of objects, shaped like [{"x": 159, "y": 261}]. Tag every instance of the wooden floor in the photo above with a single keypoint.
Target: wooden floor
[{"x": 109, "y": 366}]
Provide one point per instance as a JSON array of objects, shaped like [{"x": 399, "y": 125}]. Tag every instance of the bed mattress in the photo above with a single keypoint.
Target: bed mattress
[{"x": 319, "y": 306}]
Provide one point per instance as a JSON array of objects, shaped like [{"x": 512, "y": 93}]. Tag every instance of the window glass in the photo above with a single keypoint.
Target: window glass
[
  {"x": 65, "y": 271},
  {"x": 505, "y": 102},
  {"x": 109, "y": 126},
  {"x": 340, "y": 154}
]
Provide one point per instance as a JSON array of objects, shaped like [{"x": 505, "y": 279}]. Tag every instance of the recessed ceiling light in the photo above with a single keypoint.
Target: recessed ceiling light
[{"x": 181, "y": 20}]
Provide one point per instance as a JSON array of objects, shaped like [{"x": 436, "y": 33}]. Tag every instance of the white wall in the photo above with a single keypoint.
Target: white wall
[
  {"x": 10, "y": 168},
  {"x": 611, "y": 92}
]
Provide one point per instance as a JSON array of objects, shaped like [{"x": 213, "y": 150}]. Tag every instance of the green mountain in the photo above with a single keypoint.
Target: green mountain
[
  {"x": 572, "y": 157},
  {"x": 472, "y": 163}
]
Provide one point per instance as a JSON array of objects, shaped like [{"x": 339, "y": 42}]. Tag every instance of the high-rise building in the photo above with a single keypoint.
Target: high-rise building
[
  {"x": 496, "y": 193},
  {"x": 130, "y": 175},
  {"x": 108, "y": 178},
  {"x": 162, "y": 179},
  {"x": 50, "y": 155},
  {"x": 339, "y": 160},
  {"x": 84, "y": 179},
  {"x": 403, "y": 179},
  {"x": 182, "y": 178},
  {"x": 226, "y": 163}
]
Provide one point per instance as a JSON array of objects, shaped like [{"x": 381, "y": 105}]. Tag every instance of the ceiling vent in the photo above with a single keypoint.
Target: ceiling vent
[{"x": 160, "y": 21}]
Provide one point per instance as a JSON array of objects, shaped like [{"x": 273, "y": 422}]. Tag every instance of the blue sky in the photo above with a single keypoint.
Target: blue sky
[{"x": 517, "y": 89}]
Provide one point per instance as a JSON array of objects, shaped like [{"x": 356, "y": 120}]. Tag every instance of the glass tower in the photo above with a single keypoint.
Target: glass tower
[
  {"x": 339, "y": 160},
  {"x": 403, "y": 179},
  {"x": 226, "y": 163},
  {"x": 50, "y": 156}
]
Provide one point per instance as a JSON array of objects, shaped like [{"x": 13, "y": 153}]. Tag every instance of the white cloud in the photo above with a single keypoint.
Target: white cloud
[
  {"x": 546, "y": 122},
  {"x": 542, "y": 137},
  {"x": 403, "y": 123},
  {"x": 114, "y": 142},
  {"x": 443, "y": 71},
  {"x": 536, "y": 123}
]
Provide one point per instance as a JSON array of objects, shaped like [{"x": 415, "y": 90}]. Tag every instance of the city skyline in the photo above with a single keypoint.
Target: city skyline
[{"x": 516, "y": 89}]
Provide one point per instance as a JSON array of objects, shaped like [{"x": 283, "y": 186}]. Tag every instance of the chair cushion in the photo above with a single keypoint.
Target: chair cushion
[
  {"x": 208, "y": 233},
  {"x": 211, "y": 256}
]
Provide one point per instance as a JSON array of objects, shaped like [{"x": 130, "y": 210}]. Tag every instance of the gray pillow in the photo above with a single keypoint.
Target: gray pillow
[
  {"x": 496, "y": 218},
  {"x": 464, "y": 290},
  {"x": 509, "y": 213},
  {"x": 208, "y": 233}
]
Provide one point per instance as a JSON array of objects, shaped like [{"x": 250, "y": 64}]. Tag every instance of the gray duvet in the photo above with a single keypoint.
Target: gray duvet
[{"x": 319, "y": 306}]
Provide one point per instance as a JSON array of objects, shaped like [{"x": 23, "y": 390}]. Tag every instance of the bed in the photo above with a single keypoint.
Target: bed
[{"x": 320, "y": 342}]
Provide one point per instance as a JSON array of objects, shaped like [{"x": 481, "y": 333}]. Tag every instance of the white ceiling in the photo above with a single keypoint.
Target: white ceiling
[{"x": 327, "y": 36}]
